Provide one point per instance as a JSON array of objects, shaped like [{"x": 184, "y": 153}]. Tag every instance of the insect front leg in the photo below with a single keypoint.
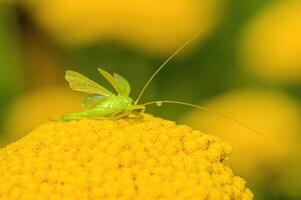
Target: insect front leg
[
  {"x": 121, "y": 115},
  {"x": 139, "y": 108},
  {"x": 116, "y": 113}
]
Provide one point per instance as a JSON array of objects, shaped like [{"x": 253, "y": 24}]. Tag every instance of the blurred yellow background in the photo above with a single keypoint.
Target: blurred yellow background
[{"x": 246, "y": 63}]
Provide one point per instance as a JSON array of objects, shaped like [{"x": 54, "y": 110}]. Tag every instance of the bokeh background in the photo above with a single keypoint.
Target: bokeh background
[{"x": 246, "y": 63}]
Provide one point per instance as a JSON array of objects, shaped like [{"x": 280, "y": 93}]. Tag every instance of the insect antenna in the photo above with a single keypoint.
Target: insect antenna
[
  {"x": 159, "y": 103},
  {"x": 164, "y": 64}
]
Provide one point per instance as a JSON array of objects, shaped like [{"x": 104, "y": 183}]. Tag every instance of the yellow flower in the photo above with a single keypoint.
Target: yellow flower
[
  {"x": 147, "y": 158},
  {"x": 271, "y": 42},
  {"x": 37, "y": 107},
  {"x": 254, "y": 156},
  {"x": 153, "y": 25}
]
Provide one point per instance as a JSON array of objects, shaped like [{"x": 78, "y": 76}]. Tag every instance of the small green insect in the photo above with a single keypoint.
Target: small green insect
[{"x": 106, "y": 104}]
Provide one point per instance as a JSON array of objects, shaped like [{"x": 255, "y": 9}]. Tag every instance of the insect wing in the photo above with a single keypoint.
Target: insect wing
[
  {"x": 123, "y": 85},
  {"x": 109, "y": 78},
  {"x": 119, "y": 83},
  {"x": 81, "y": 83},
  {"x": 91, "y": 101}
]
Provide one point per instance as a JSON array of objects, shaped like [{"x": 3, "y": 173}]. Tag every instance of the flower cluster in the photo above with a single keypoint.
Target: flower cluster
[
  {"x": 147, "y": 158},
  {"x": 152, "y": 25},
  {"x": 271, "y": 44}
]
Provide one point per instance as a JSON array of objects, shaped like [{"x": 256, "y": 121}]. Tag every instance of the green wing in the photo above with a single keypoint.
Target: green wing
[
  {"x": 109, "y": 78},
  {"x": 91, "y": 101},
  {"x": 119, "y": 83},
  {"x": 123, "y": 85},
  {"x": 81, "y": 83}
]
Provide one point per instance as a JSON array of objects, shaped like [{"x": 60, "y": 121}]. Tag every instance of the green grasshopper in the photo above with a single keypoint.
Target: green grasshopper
[{"x": 105, "y": 104}]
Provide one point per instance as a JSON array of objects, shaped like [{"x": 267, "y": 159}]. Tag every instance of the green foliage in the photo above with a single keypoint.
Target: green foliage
[{"x": 11, "y": 80}]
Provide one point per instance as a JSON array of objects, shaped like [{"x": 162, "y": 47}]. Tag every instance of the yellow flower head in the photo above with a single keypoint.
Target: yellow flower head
[
  {"x": 37, "y": 107},
  {"x": 153, "y": 25},
  {"x": 271, "y": 42},
  {"x": 147, "y": 158},
  {"x": 275, "y": 115}
]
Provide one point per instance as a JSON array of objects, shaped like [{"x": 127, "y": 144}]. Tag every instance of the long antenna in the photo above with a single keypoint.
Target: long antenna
[
  {"x": 159, "y": 103},
  {"x": 166, "y": 61}
]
